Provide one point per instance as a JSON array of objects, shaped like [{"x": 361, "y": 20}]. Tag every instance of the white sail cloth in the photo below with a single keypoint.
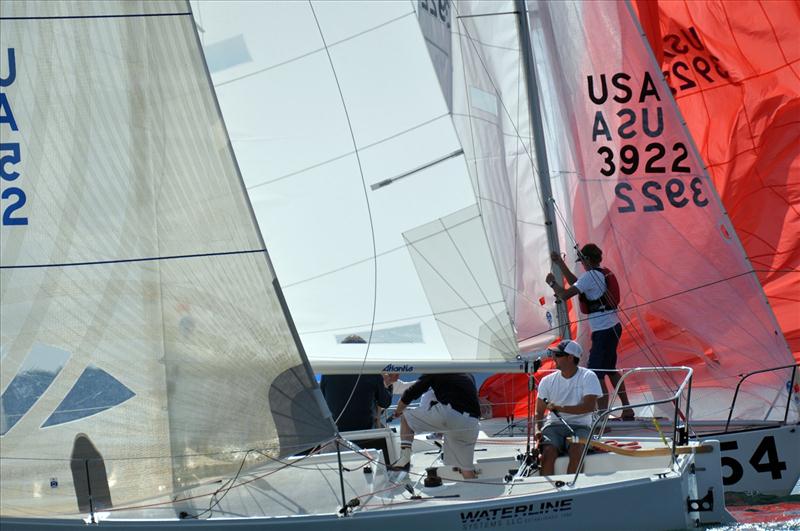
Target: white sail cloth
[
  {"x": 137, "y": 302},
  {"x": 492, "y": 117},
  {"x": 324, "y": 102}
]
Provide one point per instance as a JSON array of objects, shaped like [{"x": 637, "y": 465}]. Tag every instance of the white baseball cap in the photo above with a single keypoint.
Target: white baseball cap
[{"x": 568, "y": 346}]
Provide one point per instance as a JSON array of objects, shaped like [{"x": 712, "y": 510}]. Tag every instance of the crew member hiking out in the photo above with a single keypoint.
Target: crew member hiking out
[{"x": 598, "y": 293}]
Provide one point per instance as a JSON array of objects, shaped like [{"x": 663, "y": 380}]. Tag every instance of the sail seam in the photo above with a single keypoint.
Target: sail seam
[
  {"x": 344, "y": 155},
  {"x": 81, "y": 17},
  {"x": 315, "y": 51},
  {"x": 409, "y": 318},
  {"x": 133, "y": 260},
  {"x": 377, "y": 255}
]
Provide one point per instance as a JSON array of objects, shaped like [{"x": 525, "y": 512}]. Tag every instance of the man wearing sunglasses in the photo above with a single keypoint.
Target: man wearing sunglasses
[{"x": 572, "y": 394}]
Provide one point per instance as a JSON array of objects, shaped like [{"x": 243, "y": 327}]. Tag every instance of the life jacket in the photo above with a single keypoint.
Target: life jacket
[{"x": 609, "y": 300}]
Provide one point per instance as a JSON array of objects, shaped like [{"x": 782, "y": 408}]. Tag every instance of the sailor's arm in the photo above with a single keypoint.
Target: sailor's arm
[
  {"x": 414, "y": 392},
  {"x": 587, "y": 405},
  {"x": 560, "y": 292},
  {"x": 539, "y": 411},
  {"x": 559, "y": 261},
  {"x": 401, "y": 406}
]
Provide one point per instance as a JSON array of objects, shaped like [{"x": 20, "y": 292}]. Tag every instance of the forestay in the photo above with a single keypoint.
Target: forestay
[
  {"x": 628, "y": 175},
  {"x": 137, "y": 299},
  {"x": 327, "y": 103}
]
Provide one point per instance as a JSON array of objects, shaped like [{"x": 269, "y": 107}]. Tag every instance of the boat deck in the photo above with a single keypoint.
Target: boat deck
[{"x": 311, "y": 485}]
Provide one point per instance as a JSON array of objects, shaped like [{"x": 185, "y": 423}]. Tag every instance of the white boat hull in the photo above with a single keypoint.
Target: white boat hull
[{"x": 659, "y": 494}]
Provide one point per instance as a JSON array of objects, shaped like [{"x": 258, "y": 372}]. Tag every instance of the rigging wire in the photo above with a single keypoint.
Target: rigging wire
[
  {"x": 648, "y": 349},
  {"x": 326, "y": 47},
  {"x": 516, "y": 130},
  {"x": 369, "y": 212}
]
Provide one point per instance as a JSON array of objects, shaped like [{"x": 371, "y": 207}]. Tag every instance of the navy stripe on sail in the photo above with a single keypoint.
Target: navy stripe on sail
[
  {"x": 129, "y": 15},
  {"x": 131, "y": 260}
]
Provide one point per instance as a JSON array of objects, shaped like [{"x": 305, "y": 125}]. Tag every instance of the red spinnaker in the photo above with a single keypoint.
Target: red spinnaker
[{"x": 734, "y": 69}]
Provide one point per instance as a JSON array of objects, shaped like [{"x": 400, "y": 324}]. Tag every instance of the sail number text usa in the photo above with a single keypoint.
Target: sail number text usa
[
  {"x": 12, "y": 198},
  {"x": 439, "y": 9},
  {"x": 653, "y": 175}
]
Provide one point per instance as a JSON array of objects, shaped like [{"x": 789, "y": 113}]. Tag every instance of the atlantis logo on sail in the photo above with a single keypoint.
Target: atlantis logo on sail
[
  {"x": 515, "y": 514},
  {"x": 398, "y": 368}
]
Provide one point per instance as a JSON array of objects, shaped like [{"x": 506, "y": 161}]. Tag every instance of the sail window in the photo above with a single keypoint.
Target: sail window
[
  {"x": 37, "y": 372},
  {"x": 485, "y": 101},
  {"x": 226, "y": 54},
  {"x": 398, "y": 334},
  {"x": 93, "y": 392}
]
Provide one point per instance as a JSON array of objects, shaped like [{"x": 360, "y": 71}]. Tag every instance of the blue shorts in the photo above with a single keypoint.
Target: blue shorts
[
  {"x": 603, "y": 354},
  {"x": 557, "y": 435}
]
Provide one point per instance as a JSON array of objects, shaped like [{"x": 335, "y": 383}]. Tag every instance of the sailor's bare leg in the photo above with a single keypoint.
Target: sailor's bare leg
[
  {"x": 406, "y": 433},
  {"x": 623, "y": 395},
  {"x": 575, "y": 451},
  {"x": 548, "y": 463},
  {"x": 468, "y": 474}
]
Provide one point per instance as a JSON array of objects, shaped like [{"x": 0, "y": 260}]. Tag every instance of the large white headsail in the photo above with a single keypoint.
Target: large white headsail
[
  {"x": 630, "y": 179},
  {"x": 358, "y": 181},
  {"x": 492, "y": 117},
  {"x": 137, "y": 299}
]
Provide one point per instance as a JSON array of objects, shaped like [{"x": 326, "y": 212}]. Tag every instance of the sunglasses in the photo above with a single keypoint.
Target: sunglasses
[{"x": 560, "y": 354}]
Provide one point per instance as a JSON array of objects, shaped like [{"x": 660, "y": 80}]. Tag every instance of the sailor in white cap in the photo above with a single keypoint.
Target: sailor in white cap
[{"x": 572, "y": 394}]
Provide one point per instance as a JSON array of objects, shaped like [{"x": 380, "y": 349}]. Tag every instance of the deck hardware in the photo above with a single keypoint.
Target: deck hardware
[
  {"x": 704, "y": 504},
  {"x": 432, "y": 479}
]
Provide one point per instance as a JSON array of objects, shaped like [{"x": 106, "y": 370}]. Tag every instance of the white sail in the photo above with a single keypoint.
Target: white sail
[
  {"x": 631, "y": 181},
  {"x": 326, "y": 104},
  {"x": 137, "y": 300},
  {"x": 492, "y": 117}
]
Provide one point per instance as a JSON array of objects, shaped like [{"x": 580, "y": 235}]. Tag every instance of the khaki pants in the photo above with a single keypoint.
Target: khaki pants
[{"x": 460, "y": 432}]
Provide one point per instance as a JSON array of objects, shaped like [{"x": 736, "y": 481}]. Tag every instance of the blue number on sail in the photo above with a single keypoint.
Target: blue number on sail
[{"x": 10, "y": 154}]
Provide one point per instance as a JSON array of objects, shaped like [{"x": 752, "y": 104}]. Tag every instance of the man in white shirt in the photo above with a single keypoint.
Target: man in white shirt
[
  {"x": 572, "y": 392},
  {"x": 598, "y": 292}
]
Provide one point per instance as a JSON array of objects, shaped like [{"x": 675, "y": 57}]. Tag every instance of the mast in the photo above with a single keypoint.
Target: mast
[{"x": 540, "y": 151}]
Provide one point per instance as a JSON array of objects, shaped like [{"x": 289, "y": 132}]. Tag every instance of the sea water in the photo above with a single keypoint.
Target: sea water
[{"x": 757, "y": 513}]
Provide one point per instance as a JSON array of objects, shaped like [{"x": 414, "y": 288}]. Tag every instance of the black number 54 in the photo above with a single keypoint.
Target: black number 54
[{"x": 766, "y": 449}]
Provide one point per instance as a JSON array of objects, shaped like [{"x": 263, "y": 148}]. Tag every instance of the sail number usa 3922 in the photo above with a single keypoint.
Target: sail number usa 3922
[
  {"x": 631, "y": 144},
  {"x": 12, "y": 198}
]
